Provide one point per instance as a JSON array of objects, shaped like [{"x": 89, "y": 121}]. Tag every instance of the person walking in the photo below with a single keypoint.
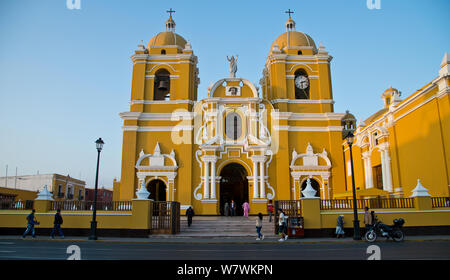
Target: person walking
[
  {"x": 282, "y": 225},
  {"x": 57, "y": 224},
  {"x": 368, "y": 221},
  {"x": 233, "y": 208},
  {"x": 270, "y": 210},
  {"x": 31, "y": 221},
  {"x": 259, "y": 220},
  {"x": 190, "y": 213},
  {"x": 340, "y": 226},
  {"x": 226, "y": 209},
  {"x": 246, "y": 208}
]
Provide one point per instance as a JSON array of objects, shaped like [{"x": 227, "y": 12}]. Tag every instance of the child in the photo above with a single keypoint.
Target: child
[{"x": 259, "y": 227}]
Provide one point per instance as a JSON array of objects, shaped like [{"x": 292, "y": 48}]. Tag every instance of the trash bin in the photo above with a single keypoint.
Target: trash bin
[{"x": 295, "y": 227}]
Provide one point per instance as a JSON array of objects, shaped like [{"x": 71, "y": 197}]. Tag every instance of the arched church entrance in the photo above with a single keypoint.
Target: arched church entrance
[
  {"x": 314, "y": 184},
  {"x": 157, "y": 190},
  {"x": 233, "y": 186}
]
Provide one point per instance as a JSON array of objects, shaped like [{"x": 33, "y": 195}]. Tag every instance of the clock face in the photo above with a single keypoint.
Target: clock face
[{"x": 302, "y": 82}]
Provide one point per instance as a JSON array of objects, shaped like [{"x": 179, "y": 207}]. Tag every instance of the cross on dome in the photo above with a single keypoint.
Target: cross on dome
[{"x": 289, "y": 12}]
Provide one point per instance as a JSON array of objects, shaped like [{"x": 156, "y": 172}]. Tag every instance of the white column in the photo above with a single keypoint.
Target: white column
[
  {"x": 255, "y": 179},
  {"x": 213, "y": 179},
  {"x": 206, "y": 186},
  {"x": 368, "y": 171},
  {"x": 383, "y": 169},
  {"x": 387, "y": 161},
  {"x": 369, "y": 174},
  {"x": 262, "y": 188}
]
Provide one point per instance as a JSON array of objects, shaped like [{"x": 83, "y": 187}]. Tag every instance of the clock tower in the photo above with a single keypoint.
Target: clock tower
[
  {"x": 297, "y": 82},
  {"x": 296, "y": 76}
]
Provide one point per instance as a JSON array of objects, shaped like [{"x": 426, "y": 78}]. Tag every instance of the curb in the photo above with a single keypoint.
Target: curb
[{"x": 165, "y": 241}]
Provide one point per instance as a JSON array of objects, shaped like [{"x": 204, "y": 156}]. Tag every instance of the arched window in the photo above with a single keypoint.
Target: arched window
[
  {"x": 299, "y": 53},
  {"x": 163, "y": 51},
  {"x": 301, "y": 84},
  {"x": 161, "y": 90},
  {"x": 233, "y": 126}
]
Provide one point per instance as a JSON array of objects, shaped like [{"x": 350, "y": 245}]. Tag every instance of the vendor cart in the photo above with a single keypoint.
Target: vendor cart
[{"x": 295, "y": 227}]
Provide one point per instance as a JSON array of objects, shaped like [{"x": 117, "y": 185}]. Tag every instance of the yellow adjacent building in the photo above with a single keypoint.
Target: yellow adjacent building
[
  {"x": 405, "y": 141},
  {"x": 254, "y": 143}
]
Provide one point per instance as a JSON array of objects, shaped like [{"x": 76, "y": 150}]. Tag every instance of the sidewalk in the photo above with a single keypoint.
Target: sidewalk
[{"x": 173, "y": 239}]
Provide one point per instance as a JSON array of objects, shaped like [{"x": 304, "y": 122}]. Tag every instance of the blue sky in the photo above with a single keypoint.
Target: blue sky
[{"x": 65, "y": 75}]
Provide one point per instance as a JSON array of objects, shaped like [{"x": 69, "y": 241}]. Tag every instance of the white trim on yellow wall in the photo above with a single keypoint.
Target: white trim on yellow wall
[
  {"x": 303, "y": 101},
  {"x": 157, "y": 128},
  {"x": 151, "y": 102},
  {"x": 175, "y": 116},
  {"x": 308, "y": 128},
  {"x": 306, "y": 116}
]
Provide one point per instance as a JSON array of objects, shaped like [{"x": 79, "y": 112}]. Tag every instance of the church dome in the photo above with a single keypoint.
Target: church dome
[
  {"x": 296, "y": 39},
  {"x": 292, "y": 39},
  {"x": 167, "y": 38}
]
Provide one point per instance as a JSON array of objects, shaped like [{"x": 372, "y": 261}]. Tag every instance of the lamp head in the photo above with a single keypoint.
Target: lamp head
[
  {"x": 350, "y": 138},
  {"x": 99, "y": 143}
]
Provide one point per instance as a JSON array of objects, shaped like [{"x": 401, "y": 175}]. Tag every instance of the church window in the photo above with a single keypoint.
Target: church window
[
  {"x": 161, "y": 90},
  {"x": 233, "y": 126},
  {"x": 375, "y": 138}
]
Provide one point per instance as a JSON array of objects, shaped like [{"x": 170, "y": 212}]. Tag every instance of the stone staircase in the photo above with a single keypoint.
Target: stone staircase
[{"x": 220, "y": 226}]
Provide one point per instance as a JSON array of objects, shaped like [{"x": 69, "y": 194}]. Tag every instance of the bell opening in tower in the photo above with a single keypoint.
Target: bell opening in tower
[{"x": 161, "y": 89}]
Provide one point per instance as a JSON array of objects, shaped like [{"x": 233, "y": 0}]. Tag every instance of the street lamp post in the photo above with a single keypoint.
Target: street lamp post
[
  {"x": 99, "y": 143},
  {"x": 356, "y": 230}
]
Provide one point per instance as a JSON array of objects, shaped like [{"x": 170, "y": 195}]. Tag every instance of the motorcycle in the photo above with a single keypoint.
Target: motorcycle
[{"x": 395, "y": 231}]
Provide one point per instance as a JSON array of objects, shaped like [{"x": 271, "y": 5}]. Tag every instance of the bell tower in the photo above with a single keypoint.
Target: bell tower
[
  {"x": 165, "y": 70},
  {"x": 296, "y": 77},
  {"x": 163, "y": 92}
]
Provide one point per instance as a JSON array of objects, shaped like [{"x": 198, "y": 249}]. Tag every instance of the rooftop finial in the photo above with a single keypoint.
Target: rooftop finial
[
  {"x": 170, "y": 23},
  {"x": 290, "y": 24}
]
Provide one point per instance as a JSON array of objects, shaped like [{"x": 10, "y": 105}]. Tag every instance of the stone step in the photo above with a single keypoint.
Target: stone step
[
  {"x": 220, "y": 226},
  {"x": 217, "y": 225}
]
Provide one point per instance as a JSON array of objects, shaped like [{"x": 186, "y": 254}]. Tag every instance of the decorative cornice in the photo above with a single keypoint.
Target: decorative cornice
[
  {"x": 175, "y": 116},
  {"x": 307, "y": 116}
]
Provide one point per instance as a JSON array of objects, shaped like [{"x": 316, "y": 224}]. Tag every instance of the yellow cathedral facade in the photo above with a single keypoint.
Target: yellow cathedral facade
[{"x": 256, "y": 143}]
